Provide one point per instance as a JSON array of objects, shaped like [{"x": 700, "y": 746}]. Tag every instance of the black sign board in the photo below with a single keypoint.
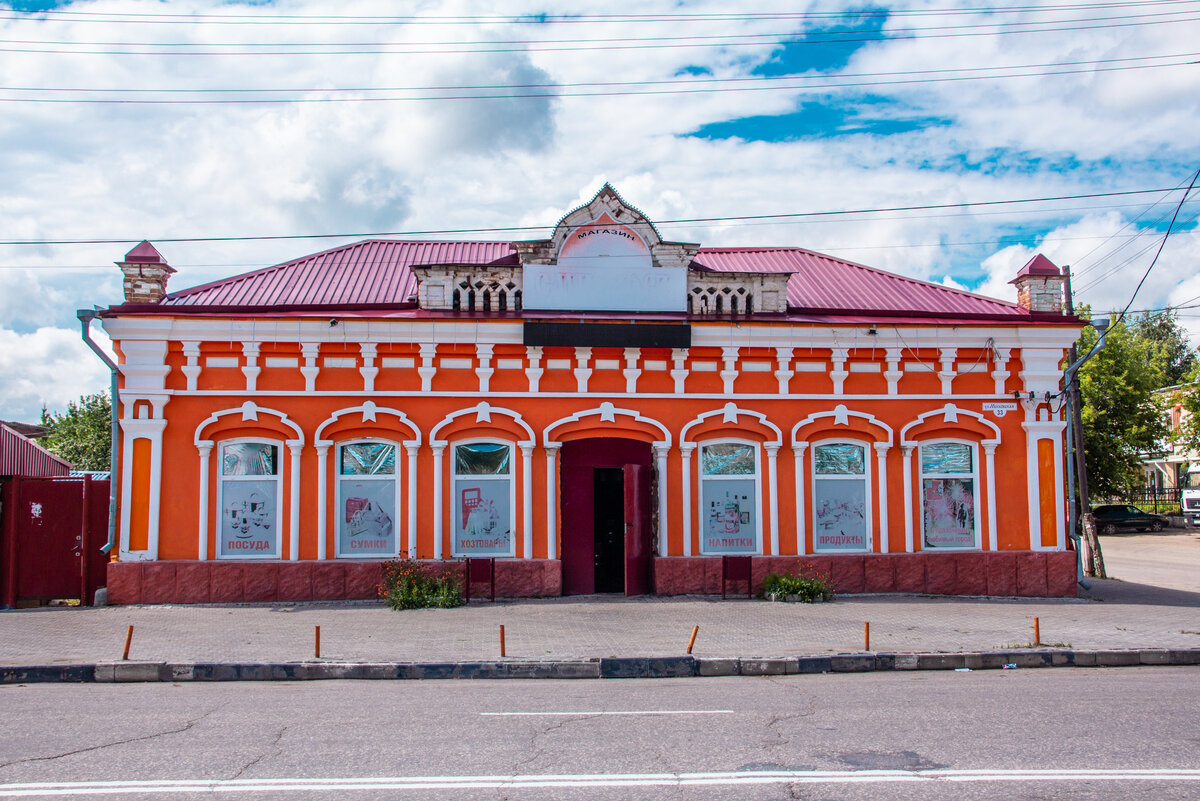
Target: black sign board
[{"x": 609, "y": 335}]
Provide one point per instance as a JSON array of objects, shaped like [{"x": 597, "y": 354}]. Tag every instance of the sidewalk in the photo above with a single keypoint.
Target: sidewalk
[{"x": 1113, "y": 615}]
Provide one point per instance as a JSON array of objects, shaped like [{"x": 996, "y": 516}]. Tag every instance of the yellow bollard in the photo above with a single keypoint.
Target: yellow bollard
[
  {"x": 692, "y": 641},
  {"x": 128, "y": 641},
  {"x": 867, "y": 636},
  {"x": 317, "y": 642},
  {"x": 502, "y": 641},
  {"x": 1037, "y": 632}
]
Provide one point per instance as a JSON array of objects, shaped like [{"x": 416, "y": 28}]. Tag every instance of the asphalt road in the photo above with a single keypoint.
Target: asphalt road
[{"x": 991, "y": 735}]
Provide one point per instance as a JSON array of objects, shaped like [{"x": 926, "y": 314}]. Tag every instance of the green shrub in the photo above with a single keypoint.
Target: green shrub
[
  {"x": 788, "y": 587},
  {"x": 410, "y": 585}
]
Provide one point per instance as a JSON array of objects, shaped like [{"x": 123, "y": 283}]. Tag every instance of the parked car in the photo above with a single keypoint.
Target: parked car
[{"x": 1115, "y": 517}]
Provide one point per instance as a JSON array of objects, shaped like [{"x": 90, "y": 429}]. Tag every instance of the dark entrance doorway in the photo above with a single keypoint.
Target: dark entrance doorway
[
  {"x": 606, "y": 542},
  {"x": 608, "y": 527}
]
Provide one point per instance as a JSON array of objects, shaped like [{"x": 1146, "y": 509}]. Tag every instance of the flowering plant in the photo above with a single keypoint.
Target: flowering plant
[
  {"x": 410, "y": 585},
  {"x": 786, "y": 587}
]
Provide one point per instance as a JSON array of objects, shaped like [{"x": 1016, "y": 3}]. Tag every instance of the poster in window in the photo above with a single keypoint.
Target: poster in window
[
  {"x": 949, "y": 511},
  {"x": 248, "y": 524},
  {"x": 366, "y": 523},
  {"x": 729, "y": 524},
  {"x": 840, "y": 515},
  {"x": 482, "y": 518}
]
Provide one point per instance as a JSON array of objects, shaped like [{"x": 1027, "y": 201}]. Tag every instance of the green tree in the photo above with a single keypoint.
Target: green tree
[
  {"x": 83, "y": 434},
  {"x": 1121, "y": 419},
  {"x": 1173, "y": 353}
]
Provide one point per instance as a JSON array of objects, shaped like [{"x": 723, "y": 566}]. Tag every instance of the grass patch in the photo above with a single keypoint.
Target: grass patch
[
  {"x": 796, "y": 588},
  {"x": 411, "y": 585}
]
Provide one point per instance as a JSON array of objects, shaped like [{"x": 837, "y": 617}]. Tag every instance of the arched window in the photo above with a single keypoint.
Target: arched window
[
  {"x": 729, "y": 493},
  {"x": 841, "y": 497},
  {"x": 484, "y": 505},
  {"x": 366, "y": 500},
  {"x": 949, "y": 495},
  {"x": 249, "y": 499}
]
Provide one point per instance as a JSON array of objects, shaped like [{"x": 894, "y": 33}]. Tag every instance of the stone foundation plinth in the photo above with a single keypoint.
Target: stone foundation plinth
[{"x": 1003, "y": 573}]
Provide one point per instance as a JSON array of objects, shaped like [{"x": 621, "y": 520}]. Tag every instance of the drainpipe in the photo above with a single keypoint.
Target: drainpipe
[{"x": 85, "y": 320}]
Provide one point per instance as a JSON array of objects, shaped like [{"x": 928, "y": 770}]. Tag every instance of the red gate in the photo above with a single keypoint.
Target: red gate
[{"x": 49, "y": 525}]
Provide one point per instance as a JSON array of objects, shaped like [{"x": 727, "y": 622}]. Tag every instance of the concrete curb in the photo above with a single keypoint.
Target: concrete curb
[{"x": 604, "y": 668}]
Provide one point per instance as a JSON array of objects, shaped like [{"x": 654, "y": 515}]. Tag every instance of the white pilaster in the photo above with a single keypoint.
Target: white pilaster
[
  {"x": 439, "y": 537},
  {"x": 322, "y": 447},
  {"x": 191, "y": 370},
  {"x": 893, "y": 374},
  {"x": 906, "y": 455},
  {"x": 205, "y": 447},
  {"x": 1000, "y": 371},
  {"x": 947, "y": 373},
  {"x": 485, "y": 370},
  {"x": 551, "y": 500},
  {"x": 839, "y": 371},
  {"x": 428, "y": 369},
  {"x": 685, "y": 453},
  {"x": 773, "y": 498},
  {"x": 533, "y": 373},
  {"x": 582, "y": 371},
  {"x": 679, "y": 371},
  {"x": 989, "y": 456},
  {"x": 783, "y": 369},
  {"x": 729, "y": 357},
  {"x": 881, "y": 451},
  {"x": 798, "y": 454},
  {"x": 251, "y": 369},
  {"x": 527, "y": 498},
  {"x": 631, "y": 371},
  {"x": 660, "y": 462},
  {"x": 311, "y": 369},
  {"x": 295, "y": 447},
  {"x": 369, "y": 371}
]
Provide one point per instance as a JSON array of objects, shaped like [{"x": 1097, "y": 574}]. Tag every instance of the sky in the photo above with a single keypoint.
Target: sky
[{"x": 123, "y": 120}]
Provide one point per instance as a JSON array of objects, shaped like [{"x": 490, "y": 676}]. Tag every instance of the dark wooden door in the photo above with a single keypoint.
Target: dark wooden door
[{"x": 637, "y": 530}]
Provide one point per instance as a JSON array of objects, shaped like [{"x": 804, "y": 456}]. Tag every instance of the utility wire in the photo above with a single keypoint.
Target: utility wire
[
  {"x": 405, "y": 49},
  {"x": 1161, "y": 245},
  {"x": 689, "y": 81},
  {"x": 550, "y": 94},
  {"x": 550, "y": 19},
  {"x": 681, "y": 221}
]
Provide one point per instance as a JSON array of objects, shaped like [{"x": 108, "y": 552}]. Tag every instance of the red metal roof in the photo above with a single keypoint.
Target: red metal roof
[
  {"x": 22, "y": 457},
  {"x": 145, "y": 253},
  {"x": 376, "y": 273},
  {"x": 826, "y": 283}
]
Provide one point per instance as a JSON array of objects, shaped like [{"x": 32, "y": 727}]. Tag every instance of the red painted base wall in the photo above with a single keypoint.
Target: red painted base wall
[
  {"x": 1006, "y": 573},
  {"x": 1003, "y": 573},
  {"x": 191, "y": 582}
]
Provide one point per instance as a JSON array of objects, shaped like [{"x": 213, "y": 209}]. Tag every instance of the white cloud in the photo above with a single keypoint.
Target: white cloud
[
  {"x": 159, "y": 172},
  {"x": 47, "y": 367}
]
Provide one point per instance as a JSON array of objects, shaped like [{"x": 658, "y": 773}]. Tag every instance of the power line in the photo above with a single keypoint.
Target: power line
[
  {"x": 681, "y": 221},
  {"x": 688, "y": 81},
  {"x": 550, "y": 94},
  {"x": 835, "y": 35},
  {"x": 551, "y": 19}
]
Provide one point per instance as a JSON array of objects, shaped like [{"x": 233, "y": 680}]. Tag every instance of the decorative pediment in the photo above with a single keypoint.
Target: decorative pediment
[{"x": 605, "y": 256}]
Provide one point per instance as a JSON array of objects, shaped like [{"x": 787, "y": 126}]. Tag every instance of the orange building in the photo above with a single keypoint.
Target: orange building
[{"x": 602, "y": 411}]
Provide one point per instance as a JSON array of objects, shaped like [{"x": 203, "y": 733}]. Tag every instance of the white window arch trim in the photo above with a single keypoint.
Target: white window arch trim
[
  {"x": 974, "y": 475},
  {"x": 397, "y": 480},
  {"x": 281, "y": 448},
  {"x": 701, "y": 477},
  {"x": 512, "y": 492},
  {"x": 870, "y": 491}
]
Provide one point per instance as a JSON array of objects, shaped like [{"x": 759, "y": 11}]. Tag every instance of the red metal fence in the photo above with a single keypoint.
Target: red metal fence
[{"x": 52, "y": 531}]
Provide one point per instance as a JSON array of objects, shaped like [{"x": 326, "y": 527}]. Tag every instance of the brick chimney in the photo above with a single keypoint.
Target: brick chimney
[
  {"x": 1040, "y": 286},
  {"x": 146, "y": 273}
]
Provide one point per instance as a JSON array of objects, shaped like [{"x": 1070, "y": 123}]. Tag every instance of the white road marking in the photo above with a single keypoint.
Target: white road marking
[
  {"x": 626, "y": 712},
  {"x": 598, "y": 780}
]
